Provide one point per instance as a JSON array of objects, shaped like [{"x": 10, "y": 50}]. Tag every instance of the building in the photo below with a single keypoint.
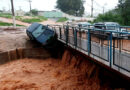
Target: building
[
  {"x": 19, "y": 13},
  {"x": 58, "y": 14},
  {"x": 51, "y": 14}
]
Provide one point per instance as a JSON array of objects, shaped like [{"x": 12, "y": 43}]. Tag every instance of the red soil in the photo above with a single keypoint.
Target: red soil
[{"x": 70, "y": 73}]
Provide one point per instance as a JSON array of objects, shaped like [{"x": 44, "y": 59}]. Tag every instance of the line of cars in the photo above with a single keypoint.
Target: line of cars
[
  {"x": 117, "y": 31},
  {"x": 101, "y": 29}
]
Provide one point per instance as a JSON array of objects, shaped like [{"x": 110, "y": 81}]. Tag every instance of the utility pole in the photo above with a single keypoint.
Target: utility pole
[
  {"x": 103, "y": 9},
  {"x": 9, "y": 7},
  {"x": 13, "y": 14},
  {"x": 30, "y": 4},
  {"x": 91, "y": 8}
]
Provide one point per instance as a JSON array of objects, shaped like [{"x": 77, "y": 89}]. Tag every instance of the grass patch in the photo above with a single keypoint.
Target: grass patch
[
  {"x": 8, "y": 24},
  {"x": 21, "y": 18},
  {"x": 18, "y": 18},
  {"x": 31, "y": 20},
  {"x": 5, "y": 15},
  {"x": 35, "y": 19},
  {"x": 63, "y": 19},
  {"x": 42, "y": 18}
]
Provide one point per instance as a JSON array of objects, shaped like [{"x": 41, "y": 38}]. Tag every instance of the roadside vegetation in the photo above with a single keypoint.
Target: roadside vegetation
[
  {"x": 8, "y": 24},
  {"x": 109, "y": 17},
  {"x": 34, "y": 19},
  {"x": 71, "y": 7},
  {"x": 23, "y": 19},
  {"x": 121, "y": 14},
  {"x": 6, "y": 15},
  {"x": 63, "y": 19}
]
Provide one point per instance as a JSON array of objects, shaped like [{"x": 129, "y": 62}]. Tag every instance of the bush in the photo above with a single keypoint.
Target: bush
[
  {"x": 19, "y": 18},
  {"x": 109, "y": 17},
  {"x": 34, "y": 12},
  {"x": 63, "y": 19},
  {"x": 42, "y": 18}
]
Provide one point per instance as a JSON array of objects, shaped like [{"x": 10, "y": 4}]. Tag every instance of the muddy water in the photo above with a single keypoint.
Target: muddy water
[
  {"x": 71, "y": 72},
  {"x": 51, "y": 74}
]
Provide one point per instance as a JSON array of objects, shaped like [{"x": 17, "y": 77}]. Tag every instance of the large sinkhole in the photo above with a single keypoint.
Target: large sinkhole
[
  {"x": 30, "y": 66},
  {"x": 60, "y": 68}
]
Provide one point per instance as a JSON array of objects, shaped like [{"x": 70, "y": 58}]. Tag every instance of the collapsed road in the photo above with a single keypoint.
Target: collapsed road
[{"x": 69, "y": 70}]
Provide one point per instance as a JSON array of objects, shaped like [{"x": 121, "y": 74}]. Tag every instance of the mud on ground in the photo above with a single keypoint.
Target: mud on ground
[{"x": 11, "y": 38}]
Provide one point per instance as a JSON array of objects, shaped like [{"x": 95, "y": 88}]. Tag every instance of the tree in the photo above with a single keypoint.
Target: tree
[
  {"x": 124, "y": 7},
  {"x": 121, "y": 14},
  {"x": 72, "y": 7},
  {"x": 34, "y": 11},
  {"x": 110, "y": 16}
]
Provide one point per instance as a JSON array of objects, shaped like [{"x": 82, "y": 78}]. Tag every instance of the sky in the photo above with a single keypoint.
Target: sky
[{"x": 48, "y": 5}]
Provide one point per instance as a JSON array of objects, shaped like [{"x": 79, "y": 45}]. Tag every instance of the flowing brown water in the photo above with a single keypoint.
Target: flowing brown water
[{"x": 72, "y": 72}]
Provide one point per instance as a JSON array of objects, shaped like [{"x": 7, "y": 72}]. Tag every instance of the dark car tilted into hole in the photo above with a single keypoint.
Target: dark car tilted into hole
[{"x": 41, "y": 33}]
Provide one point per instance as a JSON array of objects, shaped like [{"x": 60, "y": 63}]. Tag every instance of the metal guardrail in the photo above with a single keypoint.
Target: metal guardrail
[{"x": 114, "y": 52}]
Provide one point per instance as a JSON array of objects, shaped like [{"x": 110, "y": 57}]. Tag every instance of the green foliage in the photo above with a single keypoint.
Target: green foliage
[
  {"x": 42, "y": 18},
  {"x": 31, "y": 20},
  {"x": 6, "y": 15},
  {"x": 124, "y": 7},
  {"x": 8, "y": 24},
  {"x": 63, "y": 19},
  {"x": 120, "y": 14},
  {"x": 34, "y": 19},
  {"x": 111, "y": 16},
  {"x": 72, "y": 7},
  {"x": 34, "y": 12},
  {"x": 27, "y": 14},
  {"x": 19, "y": 18}
]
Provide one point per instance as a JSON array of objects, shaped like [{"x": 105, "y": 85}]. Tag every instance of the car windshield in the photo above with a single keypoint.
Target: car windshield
[
  {"x": 39, "y": 30},
  {"x": 99, "y": 26},
  {"x": 111, "y": 27}
]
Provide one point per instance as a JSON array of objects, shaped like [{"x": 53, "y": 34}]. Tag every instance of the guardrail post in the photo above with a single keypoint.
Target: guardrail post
[
  {"x": 108, "y": 47},
  {"x": 80, "y": 33},
  {"x": 66, "y": 33},
  {"x": 75, "y": 37},
  {"x": 73, "y": 30},
  {"x": 89, "y": 42},
  {"x": 60, "y": 32},
  {"x": 111, "y": 49}
]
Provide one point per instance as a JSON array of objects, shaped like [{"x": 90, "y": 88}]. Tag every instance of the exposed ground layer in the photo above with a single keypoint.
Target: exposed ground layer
[{"x": 70, "y": 73}]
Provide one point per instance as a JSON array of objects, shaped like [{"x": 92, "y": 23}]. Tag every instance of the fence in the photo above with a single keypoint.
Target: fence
[{"x": 99, "y": 44}]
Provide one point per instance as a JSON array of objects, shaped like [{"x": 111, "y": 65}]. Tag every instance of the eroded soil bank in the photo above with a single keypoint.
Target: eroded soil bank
[{"x": 71, "y": 72}]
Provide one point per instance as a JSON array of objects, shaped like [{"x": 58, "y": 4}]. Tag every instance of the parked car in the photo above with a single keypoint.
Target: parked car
[
  {"x": 112, "y": 26},
  {"x": 84, "y": 25}
]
